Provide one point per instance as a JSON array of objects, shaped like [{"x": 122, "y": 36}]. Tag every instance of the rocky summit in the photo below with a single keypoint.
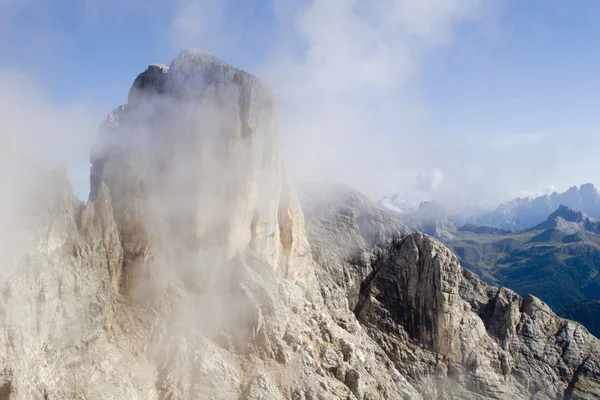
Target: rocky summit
[{"x": 197, "y": 271}]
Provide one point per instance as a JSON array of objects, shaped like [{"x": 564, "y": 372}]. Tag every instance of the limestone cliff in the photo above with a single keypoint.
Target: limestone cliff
[
  {"x": 195, "y": 271},
  {"x": 195, "y": 156}
]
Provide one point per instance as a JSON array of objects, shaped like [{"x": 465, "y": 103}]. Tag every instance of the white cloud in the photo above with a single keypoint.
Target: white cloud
[
  {"x": 33, "y": 127},
  {"x": 430, "y": 181},
  {"x": 344, "y": 79}
]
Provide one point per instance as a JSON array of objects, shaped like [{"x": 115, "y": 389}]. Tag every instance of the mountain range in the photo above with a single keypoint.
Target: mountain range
[
  {"x": 198, "y": 270},
  {"x": 515, "y": 215},
  {"x": 524, "y": 213}
]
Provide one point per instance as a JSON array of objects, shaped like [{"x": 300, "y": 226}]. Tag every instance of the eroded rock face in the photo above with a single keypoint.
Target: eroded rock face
[
  {"x": 420, "y": 286},
  {"x": 192, "y": 273}
]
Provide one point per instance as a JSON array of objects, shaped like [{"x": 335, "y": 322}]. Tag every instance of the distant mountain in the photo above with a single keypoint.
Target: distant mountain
[
  {"x": 515, "y": 215},
  {"x": 568, "y": 221},
  {"x": 523, "y": 213},
  {"x": 558, "y": 260}
]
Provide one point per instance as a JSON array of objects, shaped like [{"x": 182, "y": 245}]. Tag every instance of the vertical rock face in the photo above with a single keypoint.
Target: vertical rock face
[
  {"x": 194, "y": 158},
  {"x": 420, "y": 285}
]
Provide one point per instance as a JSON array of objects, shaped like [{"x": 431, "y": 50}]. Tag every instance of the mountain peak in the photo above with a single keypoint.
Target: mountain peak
[
  {"x": 567, "y": 214},
  {"x": 197, "y": 56},
  {"x": 153, "y": 80},
  {"x": 589, "y": 193},
  {"x": 196, "y": 251},
  {"x": 572, "y": 189},
  {"x": 568, "y": 221}
]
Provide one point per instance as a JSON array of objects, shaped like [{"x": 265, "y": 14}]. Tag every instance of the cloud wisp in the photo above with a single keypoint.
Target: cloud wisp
[{"x": 345, "y": 80}]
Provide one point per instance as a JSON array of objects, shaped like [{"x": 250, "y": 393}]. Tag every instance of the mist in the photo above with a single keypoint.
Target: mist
[
  {"x": 344, "y": 74},
  {"x": 37, "y": 136},
  {"x": 352, "y": 85},
  {"x": 352, "y": 82}
]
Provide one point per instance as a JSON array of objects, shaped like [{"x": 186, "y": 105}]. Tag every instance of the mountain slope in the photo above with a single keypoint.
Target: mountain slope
[{"x": 558, "y": 260}]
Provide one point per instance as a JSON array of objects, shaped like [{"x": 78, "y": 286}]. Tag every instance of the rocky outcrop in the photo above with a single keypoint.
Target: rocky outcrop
[
  {"x": 187, "y": 274},
  {"x": 348, "y": 234},
  {"x": 195, "y": 271}
]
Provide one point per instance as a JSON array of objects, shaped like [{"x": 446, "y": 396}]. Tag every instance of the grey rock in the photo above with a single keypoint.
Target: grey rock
[{"x": 152, "y": 81}]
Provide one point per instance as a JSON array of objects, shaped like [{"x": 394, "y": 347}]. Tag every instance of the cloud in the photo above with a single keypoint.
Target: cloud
[
  {"x": 36, "y": 137},
  {"x": 36, "y": 132},
  {"x": 344, "y": 76},
  {"x": 430, "y": 180},
  {"x": 343, "y": 72},
  {"x": 347, "y": 78}
]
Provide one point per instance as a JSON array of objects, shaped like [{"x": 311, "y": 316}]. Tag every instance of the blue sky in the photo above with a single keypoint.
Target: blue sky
[{"x": 479, "y": 100}]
